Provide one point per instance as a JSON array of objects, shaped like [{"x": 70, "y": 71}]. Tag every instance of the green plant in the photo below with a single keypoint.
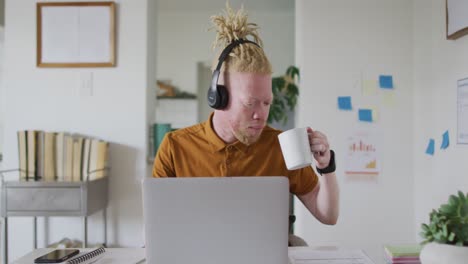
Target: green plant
[
  {"x": 285, "y": 92},
  {"x": 448, "y": 224}
]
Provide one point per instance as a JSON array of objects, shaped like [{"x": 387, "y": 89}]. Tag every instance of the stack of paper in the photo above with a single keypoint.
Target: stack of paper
[
  {"x": 331, "y": 256},
  {"x": 402, "y": 254}
]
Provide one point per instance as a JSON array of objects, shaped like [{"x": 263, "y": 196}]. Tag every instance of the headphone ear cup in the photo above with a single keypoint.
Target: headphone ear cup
[
  {"x": 213, "y": 98},
  {"x": 223, "y": 96}
]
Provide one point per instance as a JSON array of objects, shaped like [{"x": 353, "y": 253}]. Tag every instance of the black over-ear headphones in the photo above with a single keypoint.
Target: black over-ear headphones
[{"x": 217, "y": 94}]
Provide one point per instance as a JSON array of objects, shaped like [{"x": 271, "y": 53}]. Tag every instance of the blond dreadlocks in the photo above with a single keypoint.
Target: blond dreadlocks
[{"x": 246, "y": 57}]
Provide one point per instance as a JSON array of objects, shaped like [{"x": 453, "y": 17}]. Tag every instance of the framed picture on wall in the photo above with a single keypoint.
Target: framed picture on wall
[
  {"x": 457, "y": 18},
  {"x": 76, "y": 34}
]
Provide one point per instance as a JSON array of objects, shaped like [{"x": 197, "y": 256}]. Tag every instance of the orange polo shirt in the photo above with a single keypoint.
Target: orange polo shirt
[{"x": 197, "y": 151}]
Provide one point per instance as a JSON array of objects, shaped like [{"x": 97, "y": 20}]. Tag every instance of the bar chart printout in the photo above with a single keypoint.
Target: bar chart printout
[{"x": 362, "y": 155}]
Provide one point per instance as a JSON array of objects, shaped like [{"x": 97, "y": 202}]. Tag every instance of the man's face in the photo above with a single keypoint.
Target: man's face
[{"x": 249, "y": 104}]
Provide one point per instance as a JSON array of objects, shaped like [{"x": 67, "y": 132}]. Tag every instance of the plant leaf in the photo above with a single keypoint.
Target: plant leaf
[
  {"x": 453, "y": 200},
  {"x": 284, "y": 98},
  {"x": 451, "y": 237},
  {"x": 446, "y": 209},
  {"x": 293, "y": 72},
  {"x": 424, "y": 227},
  {"x": 445, "y": 231},
  {"x": 461, "y": 195}
]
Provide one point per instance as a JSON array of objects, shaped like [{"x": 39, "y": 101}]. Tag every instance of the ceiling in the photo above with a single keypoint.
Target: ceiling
[{"x": 210, "y": 5}]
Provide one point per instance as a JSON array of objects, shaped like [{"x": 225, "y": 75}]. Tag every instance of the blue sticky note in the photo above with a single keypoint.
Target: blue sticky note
[
  {"x": 430, "y": 147},
  {"x": 344, "y": 103},
  {"x": 445, "y": 140},
  {"x": 386, "y": 81},
  {"x": 365, "y": 115}
]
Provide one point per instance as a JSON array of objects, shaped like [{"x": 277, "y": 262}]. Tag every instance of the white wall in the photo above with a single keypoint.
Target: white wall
[
  {"x": 337, "y": 42},
  {"x": 118, "y": 111},
  {"x": 438, "y": 64},
  {"x": 2, "y": 58},
  {"x": 151, "y": 69}
]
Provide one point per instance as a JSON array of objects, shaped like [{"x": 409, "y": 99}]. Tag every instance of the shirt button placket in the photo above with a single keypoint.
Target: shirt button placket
[{"x": 229, "y": 151}]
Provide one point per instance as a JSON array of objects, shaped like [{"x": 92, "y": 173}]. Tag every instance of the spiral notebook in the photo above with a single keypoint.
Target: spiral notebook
[{"x": 90, "y": 256}]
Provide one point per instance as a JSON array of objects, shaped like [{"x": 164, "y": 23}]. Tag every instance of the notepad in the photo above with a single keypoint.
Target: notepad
[
  {"x": 83, "y": 258},
  {"x": 410, "y": 250},
  {"x": 321, "y": 256}
]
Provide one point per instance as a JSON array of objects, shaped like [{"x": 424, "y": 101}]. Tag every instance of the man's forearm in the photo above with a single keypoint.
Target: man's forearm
[
  {"x": 323, "y": 201},
  {"x": 328, "y": 199}
]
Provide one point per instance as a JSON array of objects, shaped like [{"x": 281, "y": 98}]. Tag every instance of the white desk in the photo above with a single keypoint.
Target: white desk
[
  {"x": 112, "y": 255},
  {"x": 304, "y": 254}
]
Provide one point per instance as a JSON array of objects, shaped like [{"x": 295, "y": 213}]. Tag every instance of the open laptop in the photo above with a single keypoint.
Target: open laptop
[{"x": 232, "y": 220}]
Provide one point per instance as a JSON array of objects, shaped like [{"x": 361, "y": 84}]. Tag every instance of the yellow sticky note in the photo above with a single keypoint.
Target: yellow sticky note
[
  {"x": 388, "y": 98},
  {"x": 369, "y": 87}
]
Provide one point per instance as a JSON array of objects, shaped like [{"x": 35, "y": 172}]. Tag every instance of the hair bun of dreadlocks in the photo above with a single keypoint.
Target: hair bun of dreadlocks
[{"x": 231, "y": 25}]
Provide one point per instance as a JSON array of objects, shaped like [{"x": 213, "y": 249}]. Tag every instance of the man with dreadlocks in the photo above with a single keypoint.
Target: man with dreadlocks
[{"x": 235, "y": 140}]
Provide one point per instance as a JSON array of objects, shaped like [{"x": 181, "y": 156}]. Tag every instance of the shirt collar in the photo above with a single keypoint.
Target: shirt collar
[{"x": 216, "y": 142}]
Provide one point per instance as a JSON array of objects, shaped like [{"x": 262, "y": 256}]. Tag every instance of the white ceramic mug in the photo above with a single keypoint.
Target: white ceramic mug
[{"x": 295, "y": 147}]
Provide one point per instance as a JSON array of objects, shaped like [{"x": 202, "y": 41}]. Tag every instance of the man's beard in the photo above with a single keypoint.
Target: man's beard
[{"x": 245, "y": 138}]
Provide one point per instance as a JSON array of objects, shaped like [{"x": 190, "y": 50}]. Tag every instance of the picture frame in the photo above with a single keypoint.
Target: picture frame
[
  {"x": 76, "y": 34},
  {"x": 456, "y": 18}
]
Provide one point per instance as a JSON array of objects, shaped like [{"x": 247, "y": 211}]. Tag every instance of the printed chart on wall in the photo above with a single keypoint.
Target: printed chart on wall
[
  {"x": 462, "y": 105},
  {"x": 363, "y": 155}
]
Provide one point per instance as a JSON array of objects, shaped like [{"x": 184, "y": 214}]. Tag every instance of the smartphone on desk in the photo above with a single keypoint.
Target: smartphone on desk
[{"x": 57, "y": 256}]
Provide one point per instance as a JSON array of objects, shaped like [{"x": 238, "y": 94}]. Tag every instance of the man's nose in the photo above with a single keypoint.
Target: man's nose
[{"x": 261, "y": 113}]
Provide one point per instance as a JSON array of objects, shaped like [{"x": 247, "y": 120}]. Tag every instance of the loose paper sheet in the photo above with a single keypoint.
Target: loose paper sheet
[
  {"x": 363, "y": 156},
  {"x": 462, "y": 105},
  {"x": 338, "y": 256}
]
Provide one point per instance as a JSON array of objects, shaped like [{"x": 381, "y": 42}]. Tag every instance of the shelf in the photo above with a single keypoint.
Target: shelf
[{"x": 176, "y": 97}]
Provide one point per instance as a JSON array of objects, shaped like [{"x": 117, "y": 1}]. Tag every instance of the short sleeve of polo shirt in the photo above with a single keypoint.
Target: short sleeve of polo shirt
[
  {"x": 163, "y": 163},
  {"x": 302, "y": 181}
]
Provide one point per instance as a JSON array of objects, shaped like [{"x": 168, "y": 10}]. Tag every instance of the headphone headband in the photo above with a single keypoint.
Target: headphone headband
[
  {"x": 229, "y": 48},
  {"x": 223, "y": 56},
  {"x": 217, "y": 94}
]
